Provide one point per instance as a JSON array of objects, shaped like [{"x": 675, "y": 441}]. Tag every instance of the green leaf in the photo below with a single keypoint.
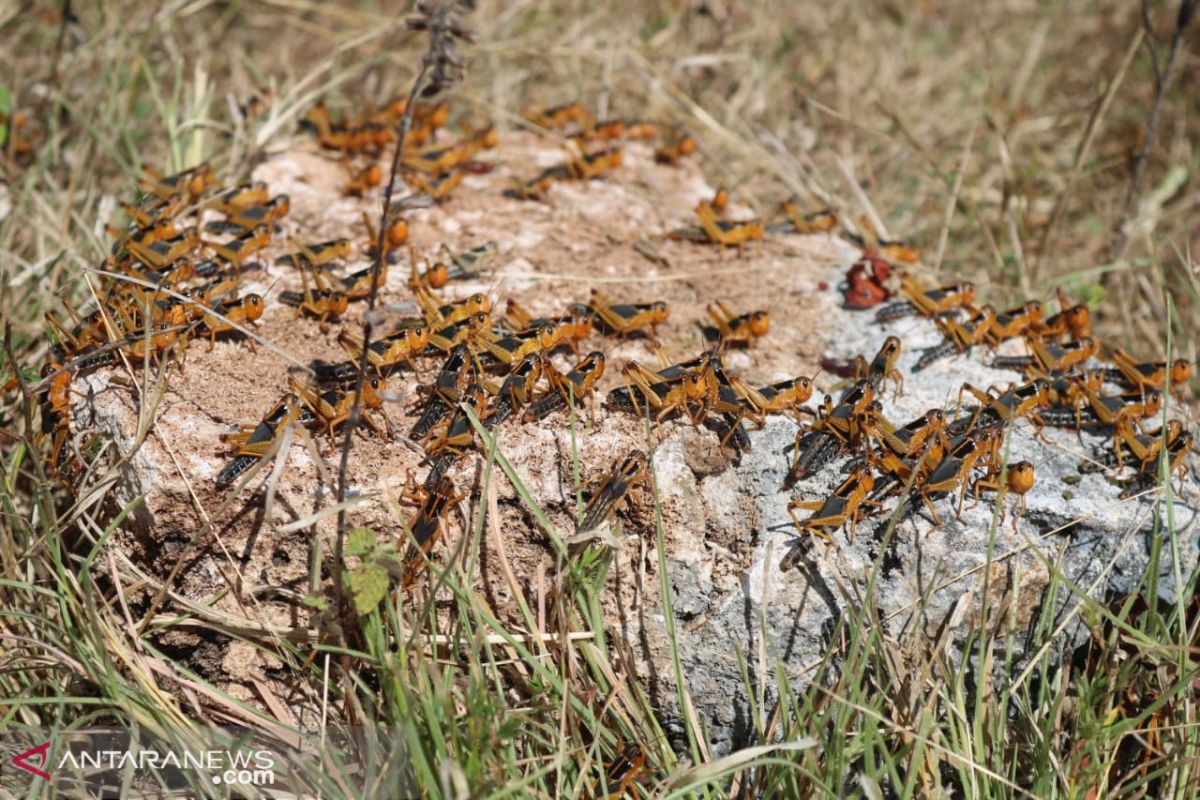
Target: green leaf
[
  {"x": 359, "y": 542},
  {"x": 316, "y": 602},
  {"x": 368, "y": 586}
]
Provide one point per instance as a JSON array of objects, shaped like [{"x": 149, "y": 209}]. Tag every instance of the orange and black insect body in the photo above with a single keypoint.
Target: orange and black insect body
[
  {"x": 426, "y": 528},
  {"x": 55, "y": 406},
  {"x": 512, "y": 348},
  {"x": 1073, "y": 320},
  {"x": 672, "y": 151},
  {"x": 364, "y": 180},
  {"x": 238, "y": 250},
  {"x": 1015, "y": 322},
  {"x": 839, "y": 420},
  {"x": 240, "y": 197},
  {"x": 822, "y": 221},
  {"x": 318, "y": 254},
  {"x": 960, "y": 337},
  {"x": 976, "y": 450},
  {"x": 517, "y": 389},
  {"x": 576, "y": 385},
  {"x": 848, "y": 504},
  {"x": 437, "y": 161},
  {"x": 1005, "y": 407},
  {"x": 897, "y": 471},
  {"x": 251, "y": 445},
  {"x": 910, "y": 439},
  {"x": 162, "y": 252},
  {"x": 739, "y": 330},
  {"x": 456, "y": 373},
  {"x": 1107, "y": 410},
  {"x": 1051, "y": 359},
  {"x": 1138, "y": 450},
  {"x": 224, "y": 316},
  {"x": 438, "y": 314},
  {"x": 437, "y": 187},
  {"x": 725, "y": 232},
  {"x": 190, "y": 183},
  {"x": 624, "y": 319},
  {"x": 448, "y": 337},
  {"x": 628, "y": 770},
  {"x": 433, "y": 277},
  {"x": 332, "y": 407},
  {"x": 154, "y": 209},
  {"x": 927, "y": 302},
  {"x": 558, "y": 116},
  {"x": 536, "y": 188},
  {"x": 1019, "y": 481},
  {"x": 383, "y": 355},
  {"x": 1176, "y": 454},
  {"x": 1147, "y": 375},
  {"x": 776, "y": 398},
  {"x": 679, "y": 394},
  {"x": 244, "y": 219},
  {"x": 357, "y": 285},
  {"x": 322, "y": 303},
  {"x": 724, "y": 398},
  {"x": 882, "y": 367},
  {"x": 593, "y": 165},
  {"x": 458, "y": 436},
  {"x": 834, "y": 430},
  {"x": 611, "y": 492}
]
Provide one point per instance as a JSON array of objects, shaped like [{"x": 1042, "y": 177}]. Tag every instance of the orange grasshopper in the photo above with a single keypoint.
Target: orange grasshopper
[
  {"x": 848, "y": 504},
  {"x": 437, "y": 187},
  {"x": 236, "y": 251},
  {"x": 1019, "y": 481},
  {"x": 576, "y": 385},
  {"x": 223, "y": 316},
  {"x": 720, "y": 231},
  {"x": 930, "y": 303},
  {"x": 458, "y": 435},
  {"x": 426, "y": 527},
  {"x": 441, "y": 160},
  {"x": 517, "y": 389},
  {"x": 322, "y": 303},
  {"x": 1051, "y": 359},
  {"x": 822, "y": 221},
  {"x": 332, "y": 407},
  {"x": 364, "y": 180},
  {"x": 612, "y": 490},
  {"x": 882, "y": 367},
  {"x": 456, "y": 373},
  {"x": 960, "y": 336},
  {"x": 251, "y": 444},
  {"x": 383, "y": 355},
  {"x": 248, "y": 218},
  {"x": 558, "y": 116},
  {"x": 738, "y": 330},
  {"x": 1148, "y": 375},
  {"x": 626, "y": 318},
  {"x": 672, "y": 151},
  {"x": 190, "y": 183}
]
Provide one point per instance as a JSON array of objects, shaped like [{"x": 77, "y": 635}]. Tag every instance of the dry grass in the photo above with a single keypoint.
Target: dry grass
[{"x": 999, "y": 137}]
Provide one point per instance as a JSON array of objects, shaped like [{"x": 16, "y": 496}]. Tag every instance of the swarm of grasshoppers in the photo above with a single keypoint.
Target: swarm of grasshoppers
[{"x": 477, "y": 370}]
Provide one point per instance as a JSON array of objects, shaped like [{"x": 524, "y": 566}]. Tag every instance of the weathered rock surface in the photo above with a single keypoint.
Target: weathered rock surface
[{"x": 726, "y": 525}]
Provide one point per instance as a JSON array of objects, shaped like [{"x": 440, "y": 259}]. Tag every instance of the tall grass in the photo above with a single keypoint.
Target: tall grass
[{"x": 1004, "y": 131}]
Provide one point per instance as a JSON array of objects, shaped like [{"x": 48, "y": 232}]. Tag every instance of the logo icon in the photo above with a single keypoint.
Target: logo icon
[{"x": 43, "y": 756}]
